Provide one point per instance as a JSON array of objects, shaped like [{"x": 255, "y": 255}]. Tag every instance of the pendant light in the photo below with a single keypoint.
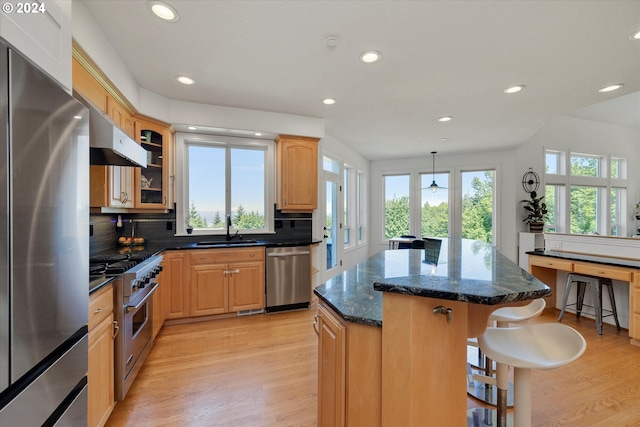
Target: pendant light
[{"x": 434, "y": 187}]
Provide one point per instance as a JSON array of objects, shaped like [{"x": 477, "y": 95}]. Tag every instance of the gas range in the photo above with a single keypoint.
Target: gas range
[
  {"x": 137, "y": 270},
  {"x": 135, "y": 279}
]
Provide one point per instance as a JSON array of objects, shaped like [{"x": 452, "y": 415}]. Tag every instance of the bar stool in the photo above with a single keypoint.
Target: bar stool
[
  {"x": 500, "y": 396},
  {"x": 595, "y": 284},
  {"x": 540, "y": 346}
]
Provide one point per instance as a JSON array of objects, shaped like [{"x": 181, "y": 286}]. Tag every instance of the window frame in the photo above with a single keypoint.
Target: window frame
[
  {"x": 603, "y": 183},
  {"x": 182, "y": 143}
]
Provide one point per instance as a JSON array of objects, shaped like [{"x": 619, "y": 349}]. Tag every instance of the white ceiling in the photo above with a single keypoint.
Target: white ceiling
[{"x": 438, "y": 58}]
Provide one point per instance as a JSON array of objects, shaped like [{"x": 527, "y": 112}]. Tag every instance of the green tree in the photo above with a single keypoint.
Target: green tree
[
  {"x": 477, "y": 209},
  {"x": 435, "y": 220},
  {"x": 248, "y": 220},
  {"x": 195, "y": 219},
  {"x": 396, "y": 217},
  {"x": 217, "y": 221}
]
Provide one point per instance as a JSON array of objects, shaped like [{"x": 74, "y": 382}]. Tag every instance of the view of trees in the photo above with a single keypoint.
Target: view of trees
[
  {"x": 240, "y": 220},
  {"x": 584, "y": 200},
  {"x": 477, "y": 211}
]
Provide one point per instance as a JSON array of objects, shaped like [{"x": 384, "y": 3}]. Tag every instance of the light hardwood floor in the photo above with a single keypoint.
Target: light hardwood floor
[{"x": 261, "y": 370}]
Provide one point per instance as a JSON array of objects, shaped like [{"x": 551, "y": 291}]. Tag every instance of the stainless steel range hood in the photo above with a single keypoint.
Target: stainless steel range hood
[{"x": 109, "y": 144}]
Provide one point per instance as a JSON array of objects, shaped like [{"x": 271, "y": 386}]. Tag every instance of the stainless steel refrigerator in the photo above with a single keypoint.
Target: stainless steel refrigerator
[{"x": 44, "y": 248}]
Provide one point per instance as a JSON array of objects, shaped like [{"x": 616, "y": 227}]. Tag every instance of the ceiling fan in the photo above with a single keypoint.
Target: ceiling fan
[{"x": 434, "y": 187}]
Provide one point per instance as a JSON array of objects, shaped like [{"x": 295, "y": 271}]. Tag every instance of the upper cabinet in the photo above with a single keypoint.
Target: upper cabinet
[
  {"x": 152, "y": 184},
  {"x": 297, "y": 173},
  {"x": 41, "y": 31},
  {"x": 124, "y": 187}
]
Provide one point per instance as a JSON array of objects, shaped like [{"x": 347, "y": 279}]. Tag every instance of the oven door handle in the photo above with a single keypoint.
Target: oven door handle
[{"x": 130, "y": 308}]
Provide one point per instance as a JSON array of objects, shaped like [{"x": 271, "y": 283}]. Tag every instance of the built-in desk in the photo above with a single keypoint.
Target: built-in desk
[{"x": 545, "y": 264}]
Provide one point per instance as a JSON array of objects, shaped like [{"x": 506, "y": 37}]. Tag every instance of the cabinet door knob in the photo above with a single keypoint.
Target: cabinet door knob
[{"x": 98, "y": 310}]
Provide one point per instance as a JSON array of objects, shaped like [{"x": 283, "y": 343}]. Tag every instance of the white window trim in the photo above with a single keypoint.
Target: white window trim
[{"x": 182, "y": 180}]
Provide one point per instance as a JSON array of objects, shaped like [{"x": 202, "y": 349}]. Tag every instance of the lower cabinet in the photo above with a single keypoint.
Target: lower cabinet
[
  {"x": 212, "y": 281},
  {"x": 226, "y": 280},
  {"x": 349, "y": 371},
  {"x": 102, "y": 331}
]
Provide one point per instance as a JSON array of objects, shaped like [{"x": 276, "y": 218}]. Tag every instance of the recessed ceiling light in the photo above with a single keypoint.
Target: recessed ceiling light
[
  {"x": 185, "y": 80},
  {"x": 192, "y": 127},
  {"x": 635, "y": 35},
  {"x": 514, "y": 89},
  {"x": 445, "y": 118},
  {"x": 77, "y": 117},
  {"x": 328, "y": 101},
  {"x": 163, "y": 11},
  {"x": 370, "y": 56},
  {"x": 611, "y": 88},
  {"x": 258, "y": 134}
]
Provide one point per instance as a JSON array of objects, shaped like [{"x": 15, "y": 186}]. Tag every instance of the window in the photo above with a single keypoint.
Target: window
[
  {"x": 346, "y": 193},
  {"x": 434, "y": 215},
  {"x": 554, "y": 161},
  {"x": 585, "y": 165},
  {"x": 360, "y": 203},
  {"x": 585, "y": 205},
  {"x": 477, "y": 205},
  {"x": 594, "y": 201},
  {"x": 223, "y": 176},
  {"x": 552, "y": 197},
  {"x": 396, "y": 205}
]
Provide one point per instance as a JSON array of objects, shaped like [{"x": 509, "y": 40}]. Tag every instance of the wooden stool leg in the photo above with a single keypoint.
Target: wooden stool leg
[{"x": 522, "y": 397}]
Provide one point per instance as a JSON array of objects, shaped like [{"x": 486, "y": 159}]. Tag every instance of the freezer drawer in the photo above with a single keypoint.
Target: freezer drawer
[{"x": 288, "y": 278}]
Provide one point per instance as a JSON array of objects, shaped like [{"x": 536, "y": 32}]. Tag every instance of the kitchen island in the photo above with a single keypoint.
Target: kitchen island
[{"x": 393, "y": 330}]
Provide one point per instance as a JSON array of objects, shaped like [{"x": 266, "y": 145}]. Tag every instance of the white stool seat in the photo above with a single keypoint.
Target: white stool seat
[
  {"x": 519, "y": 314},
  {"x": 541, "y": 346}
]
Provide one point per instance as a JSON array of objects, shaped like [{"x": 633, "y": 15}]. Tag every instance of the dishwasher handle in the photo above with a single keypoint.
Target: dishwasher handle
[{"x": 289, "y": 254}]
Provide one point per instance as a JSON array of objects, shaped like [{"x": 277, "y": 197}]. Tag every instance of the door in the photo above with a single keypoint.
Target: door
[
  {"x": 331, "y": 222},
  {"x": 246, "y": 286}
]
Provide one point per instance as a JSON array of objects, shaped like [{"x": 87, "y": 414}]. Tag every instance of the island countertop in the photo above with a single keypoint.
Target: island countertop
[{"x": 463, "y": 270}]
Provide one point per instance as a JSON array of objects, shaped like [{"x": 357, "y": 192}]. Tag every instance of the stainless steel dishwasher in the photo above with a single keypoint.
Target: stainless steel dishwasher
[{"x": 288, "y": 283}]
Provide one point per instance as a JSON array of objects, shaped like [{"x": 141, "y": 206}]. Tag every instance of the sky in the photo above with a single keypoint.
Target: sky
[{"x": 207, "y": 179}]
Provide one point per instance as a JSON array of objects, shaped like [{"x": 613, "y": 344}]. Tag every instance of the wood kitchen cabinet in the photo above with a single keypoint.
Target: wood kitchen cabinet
[
  {"x": 102, "y": 331},
  {"x": 226, "y": 280},
  {"x": 175, "y": 279},
  {"x": 153, "y": 188},
  {"x": 349, "y": 371},
  {"x": 296, "y": 173}
]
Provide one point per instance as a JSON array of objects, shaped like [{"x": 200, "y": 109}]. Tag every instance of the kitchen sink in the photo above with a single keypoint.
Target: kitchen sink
[{"x": 223, "y": 243}]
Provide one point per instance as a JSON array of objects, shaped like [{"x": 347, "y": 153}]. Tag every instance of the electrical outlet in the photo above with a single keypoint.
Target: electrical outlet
[{"x": 169, "y": 225}]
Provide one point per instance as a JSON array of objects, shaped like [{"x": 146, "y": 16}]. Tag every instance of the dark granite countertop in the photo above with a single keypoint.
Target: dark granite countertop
[
  {"x": 598, "y": 259},
  {"x": 98, "y": 283},
  {"x": 464, "y": 270}
]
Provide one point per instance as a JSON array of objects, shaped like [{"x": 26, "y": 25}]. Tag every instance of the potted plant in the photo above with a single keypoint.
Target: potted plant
[
  {"x": 189, "y": 227},
  {"x": 536, "y": 212},
  {"x": 636, "y": 212}
]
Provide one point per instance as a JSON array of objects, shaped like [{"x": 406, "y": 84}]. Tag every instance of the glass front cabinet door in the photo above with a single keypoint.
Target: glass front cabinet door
[{"x": 152, "y": 183}]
